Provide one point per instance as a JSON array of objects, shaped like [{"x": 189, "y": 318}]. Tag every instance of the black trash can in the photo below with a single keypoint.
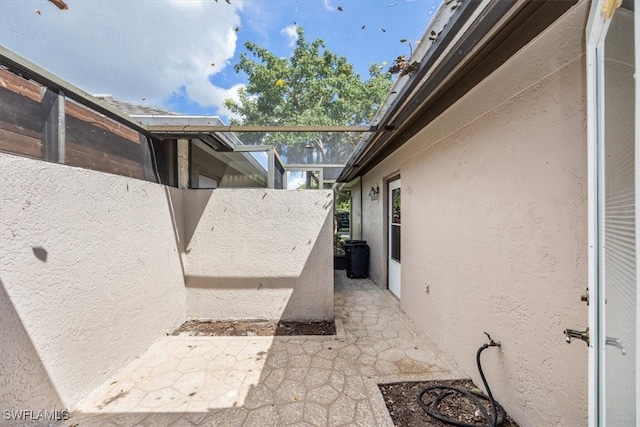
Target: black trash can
[{"x": 357, "y": 257}]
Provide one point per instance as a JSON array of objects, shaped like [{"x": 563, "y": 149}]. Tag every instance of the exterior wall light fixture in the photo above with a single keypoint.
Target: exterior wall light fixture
[{"x": 374, "y": 192}]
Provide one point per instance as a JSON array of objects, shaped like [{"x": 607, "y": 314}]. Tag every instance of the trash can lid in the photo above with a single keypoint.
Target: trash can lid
[{"x": 355, "y": 242}]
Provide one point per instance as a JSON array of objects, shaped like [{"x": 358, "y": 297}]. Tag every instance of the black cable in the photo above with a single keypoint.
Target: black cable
[{"x": 498, "y": 414}]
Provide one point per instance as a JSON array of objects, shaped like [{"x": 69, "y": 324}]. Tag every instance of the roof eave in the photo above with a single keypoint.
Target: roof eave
[{"x": 476, "y": 28}]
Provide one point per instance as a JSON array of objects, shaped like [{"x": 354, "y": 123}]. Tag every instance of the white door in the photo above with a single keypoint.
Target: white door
[
  {"x": 613, "y": 281},
  {"x": 394, "y": 237}
]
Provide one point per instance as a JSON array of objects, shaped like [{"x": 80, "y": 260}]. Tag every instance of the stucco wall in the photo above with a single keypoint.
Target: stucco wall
[
  {"x": 355, "y": 214},
  {"x": 259, "y": 254},
  {"x": 374, "y": 220},
  {"x": 494, "y": 223},
  {"x": 24, "y": 382},
  {"x": 91, "y": 277}
]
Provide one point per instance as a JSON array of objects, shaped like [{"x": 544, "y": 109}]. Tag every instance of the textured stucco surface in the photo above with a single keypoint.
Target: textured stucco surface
[
  {"x": 355, "y": 217},
  {"x": 91, "y": 277},
  {"x": 374, "y": 219},
  {"x": 494, "y": 223},
  {"x": 24, "y": 382},
  {"x": 258, "y": 254}
]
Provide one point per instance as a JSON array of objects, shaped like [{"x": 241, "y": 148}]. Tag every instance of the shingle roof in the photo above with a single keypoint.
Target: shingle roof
[{"x": 134, "y": 109}]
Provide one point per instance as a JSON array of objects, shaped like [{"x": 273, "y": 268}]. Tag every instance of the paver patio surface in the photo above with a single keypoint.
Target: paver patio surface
[{"x": 275, "y": 381}]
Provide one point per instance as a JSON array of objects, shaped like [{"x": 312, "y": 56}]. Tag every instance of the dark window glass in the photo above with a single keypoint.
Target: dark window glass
[
  {"x": 395, "y": 198},
  {"x": 395, "y": 243}
]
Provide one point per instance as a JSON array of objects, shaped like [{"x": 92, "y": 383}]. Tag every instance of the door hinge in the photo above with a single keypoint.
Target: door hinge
[{"x": 585, "y": 297}]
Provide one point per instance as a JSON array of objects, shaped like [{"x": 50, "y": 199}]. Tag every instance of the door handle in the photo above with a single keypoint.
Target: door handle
[
  {"x": 569, "y": 334},
  {"x": 615, "y": 342}
]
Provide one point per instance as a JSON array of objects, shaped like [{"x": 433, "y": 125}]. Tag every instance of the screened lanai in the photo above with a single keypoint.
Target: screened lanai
[{"x": 298, "y": 86}]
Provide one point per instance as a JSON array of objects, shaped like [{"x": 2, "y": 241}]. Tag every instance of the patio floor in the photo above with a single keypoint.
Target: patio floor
[{"x": 269, "y": 381}]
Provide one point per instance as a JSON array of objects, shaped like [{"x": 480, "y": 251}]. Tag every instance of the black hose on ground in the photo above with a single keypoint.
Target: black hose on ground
[{"x": 498, "y": 414}]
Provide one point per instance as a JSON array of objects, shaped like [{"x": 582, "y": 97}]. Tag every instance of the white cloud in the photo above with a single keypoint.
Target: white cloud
[
  {"x": 291, "y": 33},
  {"x": 206, "y": 94},
  {"x": 295, "y": 180},
  {"x": 327, "y": 5},
  {"x": 134, "y": 50}
]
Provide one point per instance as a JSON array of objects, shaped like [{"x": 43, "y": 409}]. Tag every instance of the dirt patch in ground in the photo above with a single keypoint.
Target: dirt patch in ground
[
  {"x": 402, "y": 402},
  {"x": 252, "y": 328}
]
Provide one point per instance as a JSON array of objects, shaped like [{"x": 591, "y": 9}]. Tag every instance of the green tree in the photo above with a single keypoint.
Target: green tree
[{"x": 312, "y": 87}]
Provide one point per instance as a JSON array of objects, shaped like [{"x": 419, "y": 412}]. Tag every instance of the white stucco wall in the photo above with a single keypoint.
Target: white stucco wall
[
  {"x": 24, "y": 382},
  {"x": 374, "y": 220},
  {"x": 355, "y": 213},
  {"x": 259, "y": 254},
  {"x": 494, "y": 222},
  {"x": 91, "y": 276}
]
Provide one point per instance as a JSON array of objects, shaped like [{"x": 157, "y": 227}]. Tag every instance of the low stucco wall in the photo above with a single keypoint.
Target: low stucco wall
[
  {"x": 494, "y": 221},
  {"x": 258, "y": 254},
  {"x": 91, "y": 277},
  {"x": 24, "y": 382}
]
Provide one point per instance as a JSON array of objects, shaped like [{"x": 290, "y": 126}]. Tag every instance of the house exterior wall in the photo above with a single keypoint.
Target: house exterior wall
[
  {"x": 355, "y": 214},
  {"x": 259, "y": 254},
  {"x": 91, "y": 276},
  {"x": 494, "y": 221},
  {"x": 212, "y": 165},
  {"x": 374, "y": 220}
]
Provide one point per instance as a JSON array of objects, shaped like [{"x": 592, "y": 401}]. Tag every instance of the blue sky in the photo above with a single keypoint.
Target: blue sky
[{"x": 179, "y": 54}]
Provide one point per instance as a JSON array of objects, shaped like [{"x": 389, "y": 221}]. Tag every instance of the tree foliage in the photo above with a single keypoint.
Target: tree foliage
[{"x": 312, "y": 87}]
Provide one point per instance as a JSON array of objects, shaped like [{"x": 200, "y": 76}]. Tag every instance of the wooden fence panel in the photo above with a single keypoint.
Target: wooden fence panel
[
  {"x": 20, "y": 116},
  {"x": 91, "y": 140}
]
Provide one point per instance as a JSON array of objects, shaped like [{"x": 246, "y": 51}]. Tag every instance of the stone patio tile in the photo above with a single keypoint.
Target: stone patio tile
[
  {"x": 274, "y": 378},
  {"x": 296, "y": 374},
  {"x": 315, "y": 414},
  {"x": 274, "y": 381},
  {"x": 291, "y": 413},
  {"x": 290, "y": 391},
  {"x": 342, "y": 411},
  {"x": 264, "y": 416},
  {"x": 323, "y": 395},
  {"x": 317, "y": 377},
  {"x": 363, "y": 415},
  {"x": 232, "y": 417},
  {"x": 319, "y": 362}
]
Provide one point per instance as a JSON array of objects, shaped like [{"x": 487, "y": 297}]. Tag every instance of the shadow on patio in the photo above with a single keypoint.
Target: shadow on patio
[{"x": 275, "y": 380}]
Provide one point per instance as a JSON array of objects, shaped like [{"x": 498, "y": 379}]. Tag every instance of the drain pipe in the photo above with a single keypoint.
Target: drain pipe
[{"x": 498, "y": 414}]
